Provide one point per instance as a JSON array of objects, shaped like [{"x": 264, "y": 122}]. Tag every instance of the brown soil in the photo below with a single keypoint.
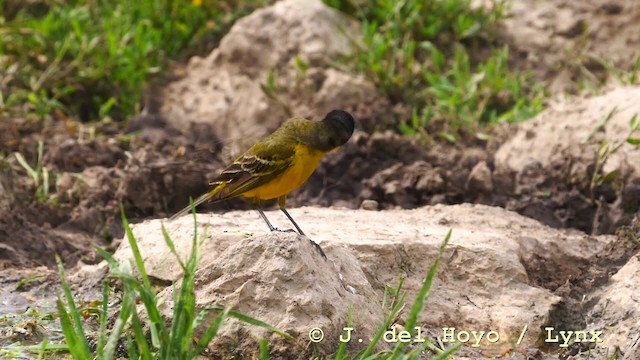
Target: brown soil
[
  {"x": 573, "y": 44},
  {"x": 149, "y": 168},
  {"x": 152, "y": 169}
]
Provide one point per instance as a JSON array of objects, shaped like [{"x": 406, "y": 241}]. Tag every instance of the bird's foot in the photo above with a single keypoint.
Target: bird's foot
[
  {"x": 317, "y": 246},
  {"x": 281, "y": 230}
]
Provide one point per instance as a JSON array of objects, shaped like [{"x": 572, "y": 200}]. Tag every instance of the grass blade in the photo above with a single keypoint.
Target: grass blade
[
  {"x": 418, "y": 305},
  {"x": 102, "y": 335},
  {"x": 447, "y": 353},
  {"x": 43, "y": 348},
  {"x": 384, "y": 327},
  {"x": 184, "y": 309},
  {"x": 134, "y": 249},
  {"x": 264, "y": 349},
  {"x": 342, "y": 348},
  {"x": 150, "y": 301},
  {"x": 132, "y": 352},
  {"x": 212, "y": 330},
  {"x": 141, "y": 342},
  {"x": 172, "y": 248},
  {"x": 423, "y": 294},
  {"x": 69, "y": 332},
  {"x": 81, "y": 339},
  {"x": 32, "y": 173},
  {"x": 113, "y": 263},
  {"x": 128, "y": 302},
  {"x": 252, "y": 321}
]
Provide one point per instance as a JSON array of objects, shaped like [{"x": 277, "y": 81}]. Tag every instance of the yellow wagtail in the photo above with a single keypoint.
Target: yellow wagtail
[{"x": 280, "y": 163}]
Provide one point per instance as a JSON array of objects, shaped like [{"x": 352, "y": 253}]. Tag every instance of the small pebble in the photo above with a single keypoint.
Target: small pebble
[{"x": 369, "y": 205}]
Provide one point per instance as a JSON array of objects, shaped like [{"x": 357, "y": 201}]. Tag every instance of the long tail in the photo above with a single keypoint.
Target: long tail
[{"x": 197, "y": 202}]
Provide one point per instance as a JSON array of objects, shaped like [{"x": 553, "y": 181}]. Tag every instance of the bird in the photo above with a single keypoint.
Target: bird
[{"x": 279, "y": 164}]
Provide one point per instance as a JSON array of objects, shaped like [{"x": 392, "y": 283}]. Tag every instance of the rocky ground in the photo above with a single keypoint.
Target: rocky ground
[{"x": 542, "y": 225}]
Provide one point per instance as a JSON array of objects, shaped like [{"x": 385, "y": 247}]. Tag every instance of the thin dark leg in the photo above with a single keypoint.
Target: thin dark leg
[
  {"x": 315, "y": 244},
  {"x": 292, "y": 221},
  {"x": 271, "y": 227},
  {"x": 264, "y": 217}
]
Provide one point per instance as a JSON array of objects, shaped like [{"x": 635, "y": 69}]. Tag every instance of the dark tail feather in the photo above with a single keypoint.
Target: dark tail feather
[{"x": 197, "y": 202}]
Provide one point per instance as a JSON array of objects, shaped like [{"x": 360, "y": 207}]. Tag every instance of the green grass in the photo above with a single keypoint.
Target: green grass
[
  {"x": 39, "y": 175},
  {"x": 401, "y": 350},
  {"x": 441, "y": 59},
  {"x": 92, "y": 58},
  {"x": 176, "y": 341},
  {"x": 609, "y": 148}
]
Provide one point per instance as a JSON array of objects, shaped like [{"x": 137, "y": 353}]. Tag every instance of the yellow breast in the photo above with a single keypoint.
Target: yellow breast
[{"x": 303, "y": 164}]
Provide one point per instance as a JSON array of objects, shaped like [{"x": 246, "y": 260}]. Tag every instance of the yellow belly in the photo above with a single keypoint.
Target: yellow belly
[{"x": 303, "y": 165}]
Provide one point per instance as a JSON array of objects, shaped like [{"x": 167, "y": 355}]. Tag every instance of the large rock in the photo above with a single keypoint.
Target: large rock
[
  {"x": 294, "y": 42},
  {"x": 617, "y": 309},
  {"x": 558, "y": 150},
  {"x": 484, "y": 282},
  {"x": 578, "y": 128},
  {"x": 562, "y": 40}
]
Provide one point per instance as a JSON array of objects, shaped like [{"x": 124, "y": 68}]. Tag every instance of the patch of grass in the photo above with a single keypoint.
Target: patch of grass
[
  {"x": 92, "y": 58},
  {"x": 607, "y": 149},
  {"x": 173, "y": 342},
  {"x": 401, "y": 350},
  {"x": 127, "y": 333},
  {"x": 38, "y": 173},
  {"x": 441, "y": 59},
  {"x": 21, "y": 331}
]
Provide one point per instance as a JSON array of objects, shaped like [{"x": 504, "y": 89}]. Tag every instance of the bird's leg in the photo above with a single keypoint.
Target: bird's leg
[
  {"x": 281, "y": 202},
  {"x": 271, "y": 227},
  {"x": 293, "y": 222},
  {"x": 264, "y": 217}
]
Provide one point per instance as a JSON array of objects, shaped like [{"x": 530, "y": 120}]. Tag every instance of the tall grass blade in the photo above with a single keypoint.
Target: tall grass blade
[
  {"x": 212, "y": 330},
  {"x": 141, "y": 342},
  {"x": 342, "y": 348},
  {"x": 134, "y": 249},
  {"x": 252, "y": 321},
  {"x": 172, "y": 248},
  {"x": 384, "y": 327},
  {"x": 102, "y": 335},
  {"x": 132, "y": 352},
  {"x": 423, "y": 294},
  {"x": 150, "y": 302},
  {"x": 68, "y": 331},
  {"x": 184, "y": 308},
  {"x": 82, "y": 344},
  {"x": 43, "y": 348},
  {"x": 128, "y": 302},
  {"x": 447, "y": 353}
]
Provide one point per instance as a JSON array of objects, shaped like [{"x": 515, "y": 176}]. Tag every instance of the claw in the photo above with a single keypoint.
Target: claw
[
  {"x": 285, "y": 230},
  {"x": 317, "y": 246}
]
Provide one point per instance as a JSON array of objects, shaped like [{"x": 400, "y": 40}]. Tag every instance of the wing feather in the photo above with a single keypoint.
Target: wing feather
[{"x": 262, "y": 163}]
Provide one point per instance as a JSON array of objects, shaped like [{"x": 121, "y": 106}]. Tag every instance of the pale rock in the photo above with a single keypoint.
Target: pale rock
[
  {"x": 225, "y": 88},
  {"x": 482, "y": 283},
  {"x": 370, "y": 205},
  {"x": 578, "y": 128},
  {"x": 617, "y": 310},
  {"x": 480, "y": 178}
]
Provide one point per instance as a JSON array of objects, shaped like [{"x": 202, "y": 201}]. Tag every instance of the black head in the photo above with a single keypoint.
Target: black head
[{"x": 341, "y": 124}]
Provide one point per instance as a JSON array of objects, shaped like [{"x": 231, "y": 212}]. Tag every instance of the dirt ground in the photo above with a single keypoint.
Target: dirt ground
[
  {"x": 574, "y": 45},
  {"x": 152, "y": 168}
]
